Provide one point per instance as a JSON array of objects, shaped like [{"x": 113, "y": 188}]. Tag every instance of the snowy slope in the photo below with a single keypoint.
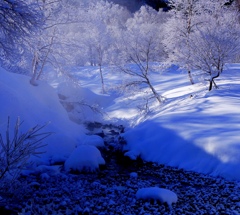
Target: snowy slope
[
  {"x": 193, "y": 129},
  {"x": 38, "y": 105}
]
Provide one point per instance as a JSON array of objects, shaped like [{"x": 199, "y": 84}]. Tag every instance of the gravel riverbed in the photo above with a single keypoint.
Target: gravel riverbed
[{"x": 112, "y": 190}]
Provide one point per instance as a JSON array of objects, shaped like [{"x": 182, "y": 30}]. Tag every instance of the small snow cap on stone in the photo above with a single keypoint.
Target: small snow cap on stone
[
  {"x": 133, "y": 175},
  {"x": 156, "y": 193},
  {"x": 93, "y": 140},
  {"x": 84, "y": 157},
  {"x": 44, "y": 176}
]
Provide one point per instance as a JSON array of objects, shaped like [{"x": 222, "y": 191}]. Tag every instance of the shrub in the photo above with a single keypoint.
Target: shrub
[{"x": 17, "y": 147}]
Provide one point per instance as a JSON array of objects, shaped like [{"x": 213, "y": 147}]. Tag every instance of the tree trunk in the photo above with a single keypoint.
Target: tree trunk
[
  {"x": 45, "y": 58},
  {"x": 190, "y": 77},
  {"x": 189, "y": 28},
  {"x": 156, "y": 95},
  {"x": 102, "y": 81},
  {"x": 212, "y": 82},
  {"x": 34, "y": 70}
]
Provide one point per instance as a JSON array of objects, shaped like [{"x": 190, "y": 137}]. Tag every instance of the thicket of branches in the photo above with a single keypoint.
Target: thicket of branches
[
  {"x": 99, "y": 33},
  {"x": 16, "y": 147},
  {"x": 19, "y": 20}
]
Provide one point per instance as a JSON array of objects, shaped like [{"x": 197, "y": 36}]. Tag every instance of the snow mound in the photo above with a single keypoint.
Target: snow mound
[
  {"x": 74, "y": 92},
  {"x": 84, "y": 158},
  {"x": 154, "y": 142},
  {"x": 156, "y": 193},
  {"x": 133, "y": 175},
  {"x": 82, "y": 104},
  {"x": 38, "y": 106},
  {"x": 93, "y": 140}
]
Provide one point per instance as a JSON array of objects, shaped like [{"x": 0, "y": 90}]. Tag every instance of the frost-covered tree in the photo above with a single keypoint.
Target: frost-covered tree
[
  {"x": 51, "y": 46},
  {"x": 95, "y": 37},
  {"x": 186, "y": 31},
  {"x": 185, "y": 19},
  {"x": 105, "y": 18},
  {"x": 76, "y": 32},
  {"x": 18, "y": 20},
  {"x": 216, "y": 43},
  {"x": 141, "y": 45}
]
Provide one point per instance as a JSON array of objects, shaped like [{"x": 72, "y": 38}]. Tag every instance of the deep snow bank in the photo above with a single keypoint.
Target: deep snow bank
[
  {"x": 38, "y": 105},
  {"x": 152, "y": 142}
]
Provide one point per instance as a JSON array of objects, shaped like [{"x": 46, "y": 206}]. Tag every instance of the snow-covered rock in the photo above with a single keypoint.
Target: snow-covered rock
[
  {"x": 133, "y": 175},
  {"x": 50, "y": 170},
  {"x": 93, "y": 140},
  {"x": 84, "y": 157},
  {"x": 44, "y": 176},
  {"x": 156, "y": 193}
]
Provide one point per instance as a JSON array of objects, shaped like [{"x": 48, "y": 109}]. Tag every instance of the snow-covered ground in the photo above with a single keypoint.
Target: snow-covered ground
[{"x": 193, "y": 129}]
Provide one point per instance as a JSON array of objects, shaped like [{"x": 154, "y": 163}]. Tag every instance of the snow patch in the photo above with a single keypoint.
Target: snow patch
[
  {"x": 156, "y": 193},
  {"x": 84, "y": 158},
  {"x": 133, "y": 175},
  {"x": 93, "y": 140}
]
